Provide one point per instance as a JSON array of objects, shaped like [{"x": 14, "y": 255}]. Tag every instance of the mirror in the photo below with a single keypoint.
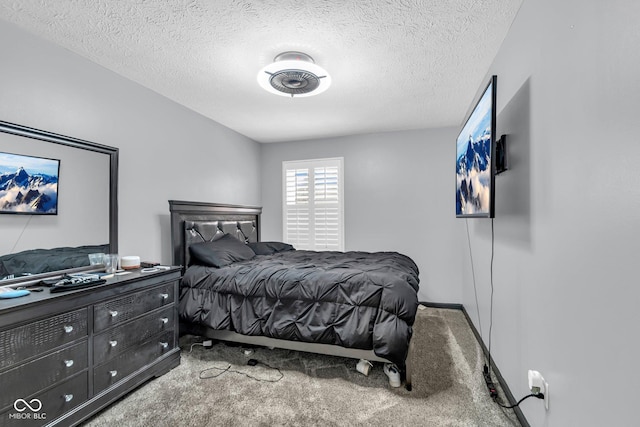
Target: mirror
[{"x": 87, "y": 213}]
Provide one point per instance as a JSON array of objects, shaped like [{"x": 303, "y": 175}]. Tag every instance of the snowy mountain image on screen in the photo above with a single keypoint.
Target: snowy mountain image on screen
[
  {"x": 473, "y": 175},
  {"x": 22, "y": 192}
]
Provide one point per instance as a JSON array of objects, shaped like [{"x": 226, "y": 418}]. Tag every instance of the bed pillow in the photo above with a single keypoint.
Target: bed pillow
[
  {"x": 268, "y": 248},
  {"x": 221, "y": 252}
]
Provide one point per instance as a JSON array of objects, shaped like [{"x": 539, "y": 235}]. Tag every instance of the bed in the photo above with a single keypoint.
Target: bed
[{"x": 353, "y": 304}]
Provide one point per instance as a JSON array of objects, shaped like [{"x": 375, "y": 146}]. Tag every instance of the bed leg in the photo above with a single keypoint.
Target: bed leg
[
  {"x": 407, "y": 382},
  {"x": 363, "y": 366},
  {"x": 408, "y": 365}
]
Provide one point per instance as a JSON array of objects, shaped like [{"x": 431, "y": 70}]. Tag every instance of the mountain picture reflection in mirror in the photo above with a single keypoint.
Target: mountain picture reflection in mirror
[{"x": 28, "y": 185}]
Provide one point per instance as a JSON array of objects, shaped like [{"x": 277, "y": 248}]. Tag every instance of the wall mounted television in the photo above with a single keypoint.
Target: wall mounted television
[
  {"x": 475, "y": 158},
  {"x": 28, "y": 184}
]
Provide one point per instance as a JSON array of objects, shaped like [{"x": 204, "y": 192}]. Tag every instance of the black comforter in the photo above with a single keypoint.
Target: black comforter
[{"x": 355, "y": 299}]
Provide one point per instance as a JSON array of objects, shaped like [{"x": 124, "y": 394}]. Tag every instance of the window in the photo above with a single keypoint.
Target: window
[{"x": 313, "y": 204}]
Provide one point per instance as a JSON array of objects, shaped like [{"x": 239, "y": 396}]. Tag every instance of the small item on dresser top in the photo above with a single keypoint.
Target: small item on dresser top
[
  {"x": 84, "y": 276},
  {"x": 110, "y": 263},
  {"x": 6, "y": 292},
  {"x": 96, "y": 259},
  {"x": 90, "y": 276},
  {"x": 30, "y": 288},
  {"x": 73, "y": 283},
  {"x": 148, "y": 264},
  {"x": 48, "y": 282},
  {"x": 155, "y": 268},
  {"x": 130, "y": 262}
]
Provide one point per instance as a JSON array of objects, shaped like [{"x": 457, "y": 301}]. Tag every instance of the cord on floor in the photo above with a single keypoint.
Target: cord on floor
[{"x": 251, "y": 362}]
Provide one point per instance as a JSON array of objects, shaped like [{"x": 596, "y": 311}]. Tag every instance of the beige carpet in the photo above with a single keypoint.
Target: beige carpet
[{"x": 315, "y": 390}]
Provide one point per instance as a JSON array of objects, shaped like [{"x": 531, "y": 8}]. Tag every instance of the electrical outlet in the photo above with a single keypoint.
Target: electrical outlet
[{"x": 538, "y": 385}]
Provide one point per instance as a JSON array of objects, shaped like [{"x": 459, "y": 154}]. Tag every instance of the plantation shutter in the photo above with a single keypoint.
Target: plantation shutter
[{"x": 313, "y": 205}]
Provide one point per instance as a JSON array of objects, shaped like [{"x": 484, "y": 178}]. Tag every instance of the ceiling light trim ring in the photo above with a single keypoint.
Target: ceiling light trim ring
[{"x": 294, "y": 74}]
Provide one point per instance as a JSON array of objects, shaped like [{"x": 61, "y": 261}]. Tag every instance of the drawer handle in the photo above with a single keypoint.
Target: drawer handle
[
  {"x": 68, "y": 363},
  {"x": 68, "y": 328},
  {"x": 113, "y": 343},
  {"x": 68, "y": 397},
  {"x": 113, "y": 313},
  {"x": 164, "y": 296},
  {"x": 164, "y": 345},
  {"x": 165, "y": 320},
  {"x": 113, "y": 373}
]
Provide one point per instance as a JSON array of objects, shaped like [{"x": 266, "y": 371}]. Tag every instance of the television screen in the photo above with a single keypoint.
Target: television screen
[
  {"x": 28, "y": 185},
  {"x": 475, "y": 149}
]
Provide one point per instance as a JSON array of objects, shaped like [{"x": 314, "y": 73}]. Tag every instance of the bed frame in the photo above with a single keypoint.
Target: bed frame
[{"x": 193, "y": 222}]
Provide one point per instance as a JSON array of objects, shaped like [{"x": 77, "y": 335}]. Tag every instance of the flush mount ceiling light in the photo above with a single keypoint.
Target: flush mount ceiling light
[{"x": 294, "y": 74}]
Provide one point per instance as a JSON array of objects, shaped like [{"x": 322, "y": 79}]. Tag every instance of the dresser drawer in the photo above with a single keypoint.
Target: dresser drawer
[
  {"x": 26, "y": 341},
  {"x": 41, "y": 373},
  {"x": 130, "y": 361},
  {"x": 117, "y": 340},
  {"x": 120, "y": 310},
  {"x": 55, "y": 402}
]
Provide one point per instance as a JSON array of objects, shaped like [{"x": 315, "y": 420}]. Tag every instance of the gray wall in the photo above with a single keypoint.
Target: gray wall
[
  {"x": 566, "y": 228},
  {"x": 166, "y": 151},
  {"x": 399, "y": 195}
]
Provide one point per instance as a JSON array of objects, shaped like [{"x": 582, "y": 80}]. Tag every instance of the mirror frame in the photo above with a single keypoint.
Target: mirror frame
[{"x": 112, "y": 152}]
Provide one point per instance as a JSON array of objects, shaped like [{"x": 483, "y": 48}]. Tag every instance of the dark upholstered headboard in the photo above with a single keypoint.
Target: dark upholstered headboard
[{"x": 194, "y": 222}]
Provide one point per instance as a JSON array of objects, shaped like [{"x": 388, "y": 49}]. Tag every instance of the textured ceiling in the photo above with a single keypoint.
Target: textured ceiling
[{"x": 395, "y": 64}]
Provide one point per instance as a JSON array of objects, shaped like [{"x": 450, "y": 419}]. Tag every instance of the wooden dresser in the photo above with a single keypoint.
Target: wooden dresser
[{"x": 65, "y": 356}]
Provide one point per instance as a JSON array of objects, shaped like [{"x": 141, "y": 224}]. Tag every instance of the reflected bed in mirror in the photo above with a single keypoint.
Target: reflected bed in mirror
[
  {"x": 42, "y": 246},
  {"x": 40, "y": 261}
]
